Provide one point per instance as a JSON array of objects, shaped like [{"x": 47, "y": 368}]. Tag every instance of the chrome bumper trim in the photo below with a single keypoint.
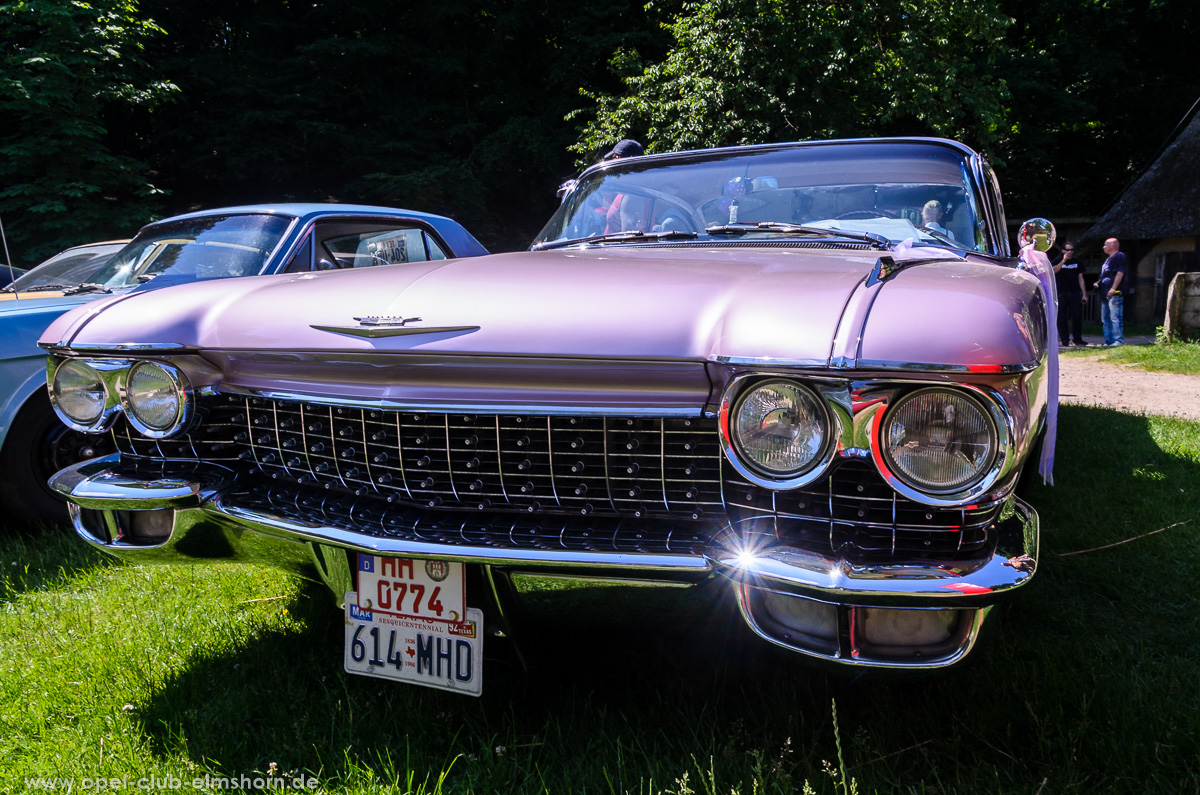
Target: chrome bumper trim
[
  {"x": 976, "y": 582},
  {"x": 294, "y": 530},
  {"x": 198, "y": 494},
  {"x": 100, "y": 484}
]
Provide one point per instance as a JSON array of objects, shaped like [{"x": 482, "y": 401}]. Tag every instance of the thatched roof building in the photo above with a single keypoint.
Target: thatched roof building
[{"x": 1164, "y": 201}]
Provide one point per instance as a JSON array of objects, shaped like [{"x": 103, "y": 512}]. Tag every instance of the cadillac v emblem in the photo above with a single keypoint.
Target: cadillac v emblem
[{"x": 392, "y": 326}]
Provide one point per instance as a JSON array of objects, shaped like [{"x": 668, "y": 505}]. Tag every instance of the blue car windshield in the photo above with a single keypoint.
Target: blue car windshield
[
  {"x": 915, "y": 191},
  {"x": 68, "y": 268},
  {"x": 194, "y": 249}
]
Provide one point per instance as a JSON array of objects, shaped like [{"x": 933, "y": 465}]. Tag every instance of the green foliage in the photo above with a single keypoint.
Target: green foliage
[
  {"x": 1096, "y": 89},
  {"x": 68, "y": 66},
  {"x": 453, "y": 107},
  {"x": 1182, "y": 357},
  {"x": 751, "y": 71}
]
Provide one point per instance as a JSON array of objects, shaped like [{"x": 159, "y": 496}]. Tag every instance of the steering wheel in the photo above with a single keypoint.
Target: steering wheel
[{"x": 863, "y": 214}]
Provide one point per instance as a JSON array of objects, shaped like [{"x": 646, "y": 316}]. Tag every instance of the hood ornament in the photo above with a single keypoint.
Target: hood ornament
[
  {"x": 375, "y": 320},
  {"x": 374, "y": 326}
]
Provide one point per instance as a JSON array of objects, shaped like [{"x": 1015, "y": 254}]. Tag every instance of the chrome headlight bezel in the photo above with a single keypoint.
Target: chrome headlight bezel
[
  {"x": 107, "y": 374},
  {"x": 986, "y": 474},
  {"x": 184, "y": 401},
  {"x": 732, "y": 402}
]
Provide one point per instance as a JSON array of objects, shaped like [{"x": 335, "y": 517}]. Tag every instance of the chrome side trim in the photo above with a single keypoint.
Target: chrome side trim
[
  {"x": 127, "y": 347},
  {"x": 440, "y": 407},
  {"x": 847, "y": 363},
  {"x": 926, "y": 367}
]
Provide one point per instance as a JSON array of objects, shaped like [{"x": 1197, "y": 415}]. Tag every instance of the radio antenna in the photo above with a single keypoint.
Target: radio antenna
[{"x": 7, "y": 259}]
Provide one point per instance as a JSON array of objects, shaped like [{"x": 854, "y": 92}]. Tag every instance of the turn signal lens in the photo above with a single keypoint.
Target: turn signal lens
[
  {"x": 79, "y": 393},
  {"x": 938, "y": 440},
  {"x": 779, "y": 428}
]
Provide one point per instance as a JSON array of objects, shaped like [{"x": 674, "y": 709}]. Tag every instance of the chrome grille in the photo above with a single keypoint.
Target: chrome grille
[
  {"x": 853, "y": 507},
  {"x": 585, "y": 466},
  {"x": 581, "y": 465}
]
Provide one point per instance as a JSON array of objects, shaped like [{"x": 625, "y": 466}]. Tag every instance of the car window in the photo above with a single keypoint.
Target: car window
[
  {"x": 195, "y": 249},
  {"x": 903, "y": 190},
  {"x": 362, "y": 244},
  {"x": 68, "y": 269}
]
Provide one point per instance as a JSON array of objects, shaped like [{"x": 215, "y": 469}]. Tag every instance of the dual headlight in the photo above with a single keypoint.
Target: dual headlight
[
  {"x": 935, "y": 441},
  {"x": 155, "y": 397},
  {"x": 938, "y": 441}
]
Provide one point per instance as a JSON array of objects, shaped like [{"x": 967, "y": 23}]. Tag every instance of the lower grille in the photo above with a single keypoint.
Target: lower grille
[{"x": 373, "y": 517}]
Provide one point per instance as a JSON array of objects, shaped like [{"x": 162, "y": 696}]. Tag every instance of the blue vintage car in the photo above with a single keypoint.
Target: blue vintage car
[{"x": 211, "y": 244}]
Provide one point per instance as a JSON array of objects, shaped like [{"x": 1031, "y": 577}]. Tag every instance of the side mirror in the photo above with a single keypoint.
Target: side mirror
[{"x": 1037, "y": 231}]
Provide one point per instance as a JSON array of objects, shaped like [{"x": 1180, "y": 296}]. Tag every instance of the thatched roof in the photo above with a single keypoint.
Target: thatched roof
[{"x": 1164, "y": 201}]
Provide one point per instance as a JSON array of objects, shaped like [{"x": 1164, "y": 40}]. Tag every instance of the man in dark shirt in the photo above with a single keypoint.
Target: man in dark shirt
[
  {"x": 1110, "y": 292},
  {"x": 1068, "y": 278}
]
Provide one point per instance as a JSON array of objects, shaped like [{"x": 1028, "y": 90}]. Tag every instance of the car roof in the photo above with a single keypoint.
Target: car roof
[
  {"x": 306, "y": 209},
  {"x": 624, "y": 162}
]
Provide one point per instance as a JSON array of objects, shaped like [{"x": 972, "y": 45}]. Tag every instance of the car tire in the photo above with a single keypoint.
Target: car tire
[{"x": 38, "y": 445}]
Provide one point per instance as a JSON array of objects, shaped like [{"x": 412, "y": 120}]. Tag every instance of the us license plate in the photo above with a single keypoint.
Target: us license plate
[
  {"x": 430, "y": 589},
  {"x": 441, "y": 654}
]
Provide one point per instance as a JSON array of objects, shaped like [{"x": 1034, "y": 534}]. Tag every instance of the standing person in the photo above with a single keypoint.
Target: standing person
[
  {"x": 1113, "y": 275},
  {"x": 1068, "y": 278}
]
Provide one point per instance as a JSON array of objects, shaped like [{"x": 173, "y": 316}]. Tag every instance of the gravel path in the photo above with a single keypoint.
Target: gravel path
[{"x": 1094, "y": 382}]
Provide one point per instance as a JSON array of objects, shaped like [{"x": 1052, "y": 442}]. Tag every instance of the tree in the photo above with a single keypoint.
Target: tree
[
  {"x": 749, "y": 71},
  {"x": 69, "y": 68}
]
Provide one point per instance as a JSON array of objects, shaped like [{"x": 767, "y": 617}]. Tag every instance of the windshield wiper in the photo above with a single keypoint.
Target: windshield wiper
[
  {"x": 42, "y": 288},
  {"x": 87, "y": 287},
  {"x": 617, "y": 237},
  {"x": 877, "y": 241}
]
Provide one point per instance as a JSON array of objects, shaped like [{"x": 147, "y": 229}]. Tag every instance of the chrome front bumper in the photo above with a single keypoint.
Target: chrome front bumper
[{"x": 148, "y": 511}]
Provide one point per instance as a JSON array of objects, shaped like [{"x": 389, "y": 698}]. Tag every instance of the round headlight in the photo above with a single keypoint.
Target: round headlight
[
  {"x": 938, "y": 441},
  {"x": 155, "y": 397},
  {"x": 779, "y": 428},
  {"x": 79, "y": 393}
]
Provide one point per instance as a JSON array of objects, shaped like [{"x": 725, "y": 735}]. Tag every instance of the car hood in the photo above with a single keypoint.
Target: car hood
[
  {"x": 39, "y": 302},
  {"x": 678, "y": 303}
]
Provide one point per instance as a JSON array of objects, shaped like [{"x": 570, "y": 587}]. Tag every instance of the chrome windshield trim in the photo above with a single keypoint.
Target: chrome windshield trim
[{"x": 441, "y": 407}]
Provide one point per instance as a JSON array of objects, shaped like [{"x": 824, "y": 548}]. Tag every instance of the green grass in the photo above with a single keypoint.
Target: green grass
[
  {"x": 1174, "y": 357},
  {"x": 1090, "y": 682}
]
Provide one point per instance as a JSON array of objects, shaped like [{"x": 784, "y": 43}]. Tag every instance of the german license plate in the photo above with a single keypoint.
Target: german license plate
[
  {"x": 441, "y": 654},
  {"x": 432, "y": 589}
]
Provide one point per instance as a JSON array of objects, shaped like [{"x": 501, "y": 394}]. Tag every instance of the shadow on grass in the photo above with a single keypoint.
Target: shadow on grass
[
  {"x": 1089, "y": 683},
  {"x": 33, "y": 559}
]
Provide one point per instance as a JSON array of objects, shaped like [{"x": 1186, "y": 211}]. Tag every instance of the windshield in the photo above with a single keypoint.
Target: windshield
[
  {"x": 193, "y": 249},
  {"x": 68, "y": 268},
  {"x": 900, "y": 191}
]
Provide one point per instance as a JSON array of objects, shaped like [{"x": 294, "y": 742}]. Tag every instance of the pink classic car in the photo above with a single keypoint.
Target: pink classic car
[{"x": 805, "y": 376}]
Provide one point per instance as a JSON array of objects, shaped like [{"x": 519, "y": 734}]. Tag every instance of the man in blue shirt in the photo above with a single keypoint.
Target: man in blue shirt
[{"x": 1109, "y": 291}]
